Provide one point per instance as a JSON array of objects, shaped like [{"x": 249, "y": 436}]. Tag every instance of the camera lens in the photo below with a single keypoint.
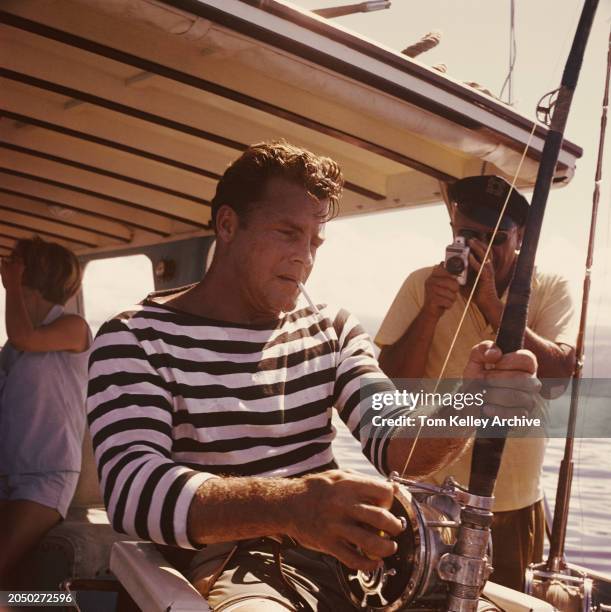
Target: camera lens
[{"x": 455, "y": 265}]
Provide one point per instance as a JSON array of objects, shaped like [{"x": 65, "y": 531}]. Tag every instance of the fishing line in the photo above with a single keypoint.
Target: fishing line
[
  {"x": 468, "y": 303},
  {"x": 307, "y": 297},
  {"x": 552, "y": 75},
  {"x": 485, "y": 259},
  {"x": 473, "y": 289}
]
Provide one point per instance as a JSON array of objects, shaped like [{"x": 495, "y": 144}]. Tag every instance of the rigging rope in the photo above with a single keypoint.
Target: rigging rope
[{"x": 513, "y": 52}]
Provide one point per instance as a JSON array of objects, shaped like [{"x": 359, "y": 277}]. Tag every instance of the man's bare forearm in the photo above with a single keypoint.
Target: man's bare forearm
[
  {"x": 225, "y": 509},
  {"x": 554, "y": 361},
  {"x": 334, "y": 512},
  {"x": 407, "y": 357},
  {"x": 429, "y": 456}
]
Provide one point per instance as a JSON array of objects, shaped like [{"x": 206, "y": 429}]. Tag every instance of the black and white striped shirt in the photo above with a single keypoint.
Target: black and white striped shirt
[{"x": 175, "y": 399}]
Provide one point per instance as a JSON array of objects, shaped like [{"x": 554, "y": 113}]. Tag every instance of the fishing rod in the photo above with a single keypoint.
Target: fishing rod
[
  {"x": 476, "y": 518},
  {"x": 563, "y": 493},
  {"x": 540, "y": 576}
]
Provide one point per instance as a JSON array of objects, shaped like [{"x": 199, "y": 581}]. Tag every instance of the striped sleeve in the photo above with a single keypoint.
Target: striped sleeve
[
  {"x": 146, "y": 493},
  {"x": 358, "y": 377}
]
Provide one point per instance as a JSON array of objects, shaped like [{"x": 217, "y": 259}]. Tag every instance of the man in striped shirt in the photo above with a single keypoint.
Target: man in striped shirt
[{"x": 210, "y": 405}]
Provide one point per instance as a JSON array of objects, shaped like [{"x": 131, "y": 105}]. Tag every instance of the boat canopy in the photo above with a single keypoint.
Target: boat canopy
[{"x": 119, "y": 116}]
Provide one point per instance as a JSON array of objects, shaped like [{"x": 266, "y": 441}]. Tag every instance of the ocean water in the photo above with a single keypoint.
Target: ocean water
[{"x": 588, "y": 541}]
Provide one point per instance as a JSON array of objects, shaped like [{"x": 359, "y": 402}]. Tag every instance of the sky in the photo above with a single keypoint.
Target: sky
[{"x": 365, "y": 259}]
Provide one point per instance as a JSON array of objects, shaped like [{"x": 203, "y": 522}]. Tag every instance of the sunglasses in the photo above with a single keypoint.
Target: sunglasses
[{"x": 499, "y": 238}]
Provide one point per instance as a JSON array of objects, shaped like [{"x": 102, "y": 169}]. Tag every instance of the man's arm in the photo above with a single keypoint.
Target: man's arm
[
  {"x": 428, "y": 457},
  {"x": 555, "y": 360},
  {"x": 332, "y": 512},
  {"x": 359, "y": 378},
  {"x": 407, "y": 357},
  {"x": 129, "y": 405},
  {"x": 67, "y": 333},
  {"x": 511, "y": 388}
]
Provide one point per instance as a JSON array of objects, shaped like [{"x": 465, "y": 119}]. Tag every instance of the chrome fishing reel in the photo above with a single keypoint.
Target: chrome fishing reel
[
  {"x": 419, "y": 572},
  {"x": 566, "y": 589}
]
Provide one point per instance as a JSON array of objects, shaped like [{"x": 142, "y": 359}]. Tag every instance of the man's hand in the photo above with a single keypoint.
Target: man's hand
[
  {"x": 441, "y": 290},
  {"x": 342, "y": 514},
  {"x": 510, "y": 380},
  {"x": 11, "y": 270},
  {"x": 486, "y": 296}
]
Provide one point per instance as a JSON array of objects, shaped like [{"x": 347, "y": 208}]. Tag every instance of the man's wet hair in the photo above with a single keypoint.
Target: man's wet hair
[
  {"x": 50, "y": 268},
  {"x": 242, "y": 184}
]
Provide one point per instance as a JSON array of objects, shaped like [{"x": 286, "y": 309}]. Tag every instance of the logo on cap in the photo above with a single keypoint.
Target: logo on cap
[{"x": 495, "y": 187}]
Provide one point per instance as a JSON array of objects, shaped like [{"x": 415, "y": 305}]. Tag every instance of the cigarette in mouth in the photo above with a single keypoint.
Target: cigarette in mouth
[{"x": 307, "y": 297}]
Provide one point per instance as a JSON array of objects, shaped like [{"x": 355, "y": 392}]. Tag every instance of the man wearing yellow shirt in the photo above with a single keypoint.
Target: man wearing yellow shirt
[{"x": 417, "y": 331}]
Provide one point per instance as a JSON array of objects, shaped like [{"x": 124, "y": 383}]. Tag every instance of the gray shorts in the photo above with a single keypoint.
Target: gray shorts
[{"x": 52, "y": 489}]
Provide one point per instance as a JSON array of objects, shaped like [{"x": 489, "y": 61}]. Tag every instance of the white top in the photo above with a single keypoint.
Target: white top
[{"x": 42, "y": 408}]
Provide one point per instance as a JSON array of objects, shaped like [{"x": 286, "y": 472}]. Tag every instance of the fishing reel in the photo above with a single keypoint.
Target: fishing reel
[
  {"x": 568, "y": 589},
  {"x": 420, "y": 572}
]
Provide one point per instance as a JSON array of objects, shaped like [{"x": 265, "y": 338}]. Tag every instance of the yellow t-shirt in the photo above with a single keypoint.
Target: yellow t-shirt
[{"x": 550, "y": 315}]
